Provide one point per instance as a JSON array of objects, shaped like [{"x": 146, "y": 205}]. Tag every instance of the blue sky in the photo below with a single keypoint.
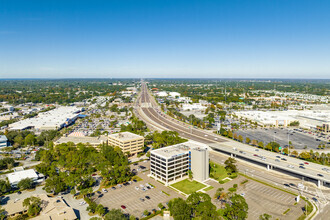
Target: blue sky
[{"x": 165, "y": 38}]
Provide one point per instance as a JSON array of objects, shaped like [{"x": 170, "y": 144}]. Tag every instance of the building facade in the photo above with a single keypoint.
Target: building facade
[
  {"x": 3, "y": 141},
  {"x": 172, "y": 163},
  {"x": 128, "y": 142}
]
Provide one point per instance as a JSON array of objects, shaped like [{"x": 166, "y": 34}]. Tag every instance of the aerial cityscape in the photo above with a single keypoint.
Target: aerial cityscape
[{"x": 164, "y": 110}]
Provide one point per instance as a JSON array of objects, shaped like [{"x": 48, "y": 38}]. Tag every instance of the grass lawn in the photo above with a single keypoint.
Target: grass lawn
[
  {"x": 218, "y": 172},
  {"x": 188, "y": 186},
  {"x": 208, "y": 188}
]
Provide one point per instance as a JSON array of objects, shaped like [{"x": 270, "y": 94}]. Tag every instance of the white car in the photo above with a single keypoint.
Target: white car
[
  {"x": 104, "y": 190},
  {"x": 137, "y": 188},
  {"x": 82, "y": 203},
  {"x": 290, "y": 166}
]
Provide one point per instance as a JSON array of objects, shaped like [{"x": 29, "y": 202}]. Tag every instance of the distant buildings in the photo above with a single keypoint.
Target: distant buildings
[
  {"x": 309, "y": 119},
  {"x": 194, "y": 106},
  {"x": 50, "y": 120},
  {"x": 93, "y": 141},
  {"x": 128, "y": 142},
  {"x": 172, "y": 163},
  {"x": 3, "y": 141}
]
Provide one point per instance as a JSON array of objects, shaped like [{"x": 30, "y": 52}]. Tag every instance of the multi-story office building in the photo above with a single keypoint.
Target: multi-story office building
[
  {"x": 172, "y": 163},
  {"x": 3, "y": 141},
  {"x": 128, "y": 142}
]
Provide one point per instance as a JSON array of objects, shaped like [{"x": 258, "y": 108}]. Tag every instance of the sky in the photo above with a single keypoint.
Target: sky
[{"x": 165, "y": 39}]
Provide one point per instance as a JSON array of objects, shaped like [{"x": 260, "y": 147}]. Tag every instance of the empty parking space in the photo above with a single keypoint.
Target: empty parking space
[
  {"x": 130, "y": 197},
  {"x": 282, "y": 136},
  {"x": 264, "y": 199}
]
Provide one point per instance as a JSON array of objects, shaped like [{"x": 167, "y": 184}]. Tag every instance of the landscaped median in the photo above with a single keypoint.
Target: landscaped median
[{"x": 188, "y": 186}]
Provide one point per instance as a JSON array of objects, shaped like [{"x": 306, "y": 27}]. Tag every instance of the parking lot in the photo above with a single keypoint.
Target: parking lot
[
  {"x": 129, "y": 196},
  {"x": 264, "y": 199},
  {"x": 282, "y": 136},
  {"x": 261, "y": 199}
]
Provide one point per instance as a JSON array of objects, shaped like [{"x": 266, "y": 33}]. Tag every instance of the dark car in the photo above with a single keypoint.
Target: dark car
[
  {"x": 320, "y": 175},
  {"x": 284, "y": 159},
  {"x": 19, "y": 192},
  {"x": 98, "y": 192},
  {"x": 278, "y": 156},
  {"x": 147, "y": 197},
  {"x": 302, "y": 167},
  {"x": 123, "y": 207}
]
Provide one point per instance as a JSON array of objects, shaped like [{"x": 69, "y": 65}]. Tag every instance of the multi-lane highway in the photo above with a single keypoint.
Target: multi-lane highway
[{"x": 149, "y": 111}]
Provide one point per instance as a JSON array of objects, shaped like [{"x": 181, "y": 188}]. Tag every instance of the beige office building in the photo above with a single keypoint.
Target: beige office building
[{"x": 128, "y": 142}]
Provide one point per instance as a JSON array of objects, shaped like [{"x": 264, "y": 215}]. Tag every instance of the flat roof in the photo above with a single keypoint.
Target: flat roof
[
  {"x": 50, "y": 119},
  {"x": 19, "y": 175},
  {"x": 125, "y": 136},
  {"x": 84, "y": 140},
  {"x": 177, "y": 149}
]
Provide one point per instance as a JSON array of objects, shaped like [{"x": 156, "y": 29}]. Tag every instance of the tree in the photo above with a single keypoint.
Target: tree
[
  {"x": 146, "y": 212},
  {"x": 218, "y": 193},
  {"x": 179, "y": 209},
  {"x": 230, "y": 165},
  {"x": 202, "y": 206},
  {"x": 190, "y": 174},
  {"x": 26, "y": 183},
  {"x": 54, "y": 185},
  {"x": 261, "y": 144},
  {"x": 33, "y": 205},
  {"x": 3, "y": 215},
  {"x": 29, "y": 139},
  {"x": 160, "y": 205},
  {"x": 247, "y": 140},
  {"x": 115, "y": 214},
  {"x": 100, "y": 210},
  {"x": 294, "y": 153},
  {"x": 237, "y": 209},
  {"x": 4, "y": 186},
  {"x": 265, "y": 216},
  {"x": 240, "y": 138}
]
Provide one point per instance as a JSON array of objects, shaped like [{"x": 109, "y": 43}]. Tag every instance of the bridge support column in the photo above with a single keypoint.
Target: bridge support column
[
  {"x": 319, "y": 183},
  {"x": 267, "y": 166},
  {"x": 231, "y": 155}
]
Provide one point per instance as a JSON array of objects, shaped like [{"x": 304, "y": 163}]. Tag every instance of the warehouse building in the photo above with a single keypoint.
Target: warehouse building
[
  {"x": 54, "y": 119},
  {"x": 128, "y": 142},
  {"x": 172, "y": 163}
]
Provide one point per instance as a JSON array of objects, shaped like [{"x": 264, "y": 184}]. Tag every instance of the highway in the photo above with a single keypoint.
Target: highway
[{"x": 150, "y": 112}]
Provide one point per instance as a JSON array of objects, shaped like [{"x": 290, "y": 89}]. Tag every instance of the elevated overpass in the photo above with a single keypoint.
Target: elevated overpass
[{"x": 149, "y": 111}]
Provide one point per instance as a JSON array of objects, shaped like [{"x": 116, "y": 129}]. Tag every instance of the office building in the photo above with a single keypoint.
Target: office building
[
  {"x": 3, "y": 141},
  {"x": 172, "y": 163},
  {"x": 128, "y": 142}
]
